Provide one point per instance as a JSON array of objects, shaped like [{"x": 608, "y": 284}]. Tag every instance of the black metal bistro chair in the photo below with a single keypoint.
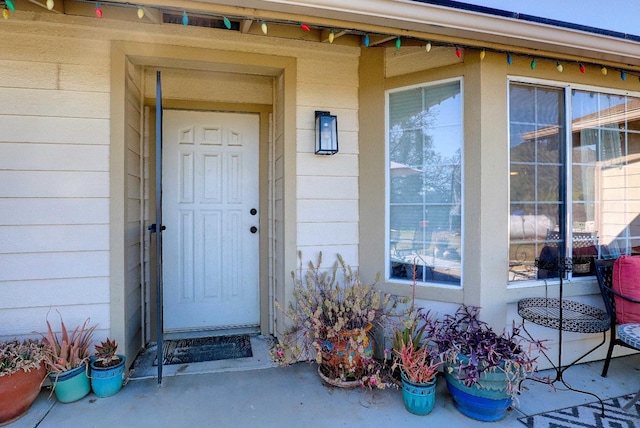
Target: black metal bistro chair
[{"x": 627, "y": 335}]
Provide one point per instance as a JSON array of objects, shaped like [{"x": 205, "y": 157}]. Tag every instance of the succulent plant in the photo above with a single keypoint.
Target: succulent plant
[
  {"x": 68, "y": 350},
  {"x": 26, "y": 355},
  {"x": 106, "y": 353}
]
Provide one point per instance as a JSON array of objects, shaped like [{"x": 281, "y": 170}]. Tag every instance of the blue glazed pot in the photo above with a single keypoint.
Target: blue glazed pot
[
  {"x": 107, "y": 381},
  {"x": 487, "y": 401},
  {"x": 419, "y": 398},
  {"x": 71, "y": 385}
]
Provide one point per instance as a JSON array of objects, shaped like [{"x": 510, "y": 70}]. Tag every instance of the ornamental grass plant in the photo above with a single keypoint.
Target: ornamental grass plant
[{"x": 333, "y": 314}]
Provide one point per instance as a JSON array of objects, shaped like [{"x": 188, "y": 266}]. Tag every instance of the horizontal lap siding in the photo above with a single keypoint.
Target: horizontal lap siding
[
  {"x": 54, "y": 183},
  {"x": 54, "y": 165},
  {"x": 327, "y": 186},
  {"x": 211, "y": 86},
  {"x": 619, "y": 187},
  {"x": 133, "y": 284}
]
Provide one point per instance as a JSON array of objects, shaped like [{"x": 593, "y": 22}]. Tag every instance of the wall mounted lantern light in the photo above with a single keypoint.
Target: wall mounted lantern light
[{"x": 326, "y": 133}]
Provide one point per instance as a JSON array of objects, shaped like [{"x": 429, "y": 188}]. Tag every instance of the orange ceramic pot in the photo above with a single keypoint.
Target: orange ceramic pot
[{"x": 18, "y": 391}]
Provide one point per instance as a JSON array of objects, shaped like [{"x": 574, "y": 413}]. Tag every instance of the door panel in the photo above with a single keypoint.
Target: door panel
[{"x": 210, "y": 185}]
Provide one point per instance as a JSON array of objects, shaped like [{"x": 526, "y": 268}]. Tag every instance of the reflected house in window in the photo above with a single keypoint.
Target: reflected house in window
[{"x": 604, "y": 178}]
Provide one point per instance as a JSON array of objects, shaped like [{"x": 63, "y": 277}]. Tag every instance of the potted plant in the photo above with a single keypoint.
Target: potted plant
[
  {"x": 67, "y": 360},
  {"x": 581, "y": 264},
  {"x": 483, "y": 369},
  {"x": 107, "y": 369},
  {"x": 332, "y": 323},
  {"x": 21, "y": 375},
  {"x": 418, "y": 364}
]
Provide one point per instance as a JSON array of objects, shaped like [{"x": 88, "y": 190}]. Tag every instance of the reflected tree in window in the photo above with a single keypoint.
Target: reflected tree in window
[{"x": 425, "y": 189}]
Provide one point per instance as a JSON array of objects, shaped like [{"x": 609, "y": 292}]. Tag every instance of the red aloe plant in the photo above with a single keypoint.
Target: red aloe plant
[
  {"x": 419, "y": 365},
  {"x": 68, "y": 351}
]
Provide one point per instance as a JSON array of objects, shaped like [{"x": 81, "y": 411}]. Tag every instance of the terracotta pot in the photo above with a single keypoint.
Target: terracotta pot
[{"x": 18, "y": 391}]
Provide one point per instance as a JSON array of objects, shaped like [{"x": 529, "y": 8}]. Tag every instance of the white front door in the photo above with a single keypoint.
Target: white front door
[{"x": 210, "y": 199}]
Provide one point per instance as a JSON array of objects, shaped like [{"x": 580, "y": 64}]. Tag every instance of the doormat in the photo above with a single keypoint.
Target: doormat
[
  {"x": 589, "y": 415},
  {"x": 203, "y": 349}
]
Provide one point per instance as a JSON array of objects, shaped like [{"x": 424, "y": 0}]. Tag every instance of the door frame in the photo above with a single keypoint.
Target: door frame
[
  {"x": 264, "y": 113},
  {"x": 273, "y": 261}
]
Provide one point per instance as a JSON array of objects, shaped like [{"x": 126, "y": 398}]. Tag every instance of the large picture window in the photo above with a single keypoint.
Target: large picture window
[
  {"x": 574, "y": 178},
  {"x": 424, "y": 190}
]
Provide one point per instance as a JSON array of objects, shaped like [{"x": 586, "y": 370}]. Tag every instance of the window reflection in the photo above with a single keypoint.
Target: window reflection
[
  {"x": 580, "y": 202},
  {"x": 425, "y": 183}
]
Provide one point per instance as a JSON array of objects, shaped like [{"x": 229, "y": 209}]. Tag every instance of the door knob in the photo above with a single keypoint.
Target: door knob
[
  {"x": 253, "y": 229},
  {"x": 253, "y": 211}
]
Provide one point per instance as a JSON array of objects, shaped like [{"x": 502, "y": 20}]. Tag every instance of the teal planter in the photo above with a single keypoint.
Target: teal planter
[
  {"x": 106, "y": 382},
  {"x": 71, "y": 385},
  {"x": 487, "y": 401},
  {"x": 419, "y": 398}
]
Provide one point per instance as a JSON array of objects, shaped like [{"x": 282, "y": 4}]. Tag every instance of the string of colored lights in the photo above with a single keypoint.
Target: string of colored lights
[{"x": 9, "y": 7}]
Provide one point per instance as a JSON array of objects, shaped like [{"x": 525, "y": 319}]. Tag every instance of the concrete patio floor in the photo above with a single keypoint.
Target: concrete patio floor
[{"x": 254, "y": 393}]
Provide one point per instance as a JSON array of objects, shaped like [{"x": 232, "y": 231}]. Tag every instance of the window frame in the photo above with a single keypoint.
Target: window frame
[
  {"x": 387, "y": 190},
  {"x": 567, "y": 89}
]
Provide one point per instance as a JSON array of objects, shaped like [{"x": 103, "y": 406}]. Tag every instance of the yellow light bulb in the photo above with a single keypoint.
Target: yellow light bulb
[
  {"x": 263, "y": 26},
  {"x": 604, "y": 71},
  {"x": 428, "y": 47},
  {"x": 331, "y": 36},
  {"x": 5, "y": 13},
  {"x": 483, "y": 53},
  {"x": 50, "y": 4}
]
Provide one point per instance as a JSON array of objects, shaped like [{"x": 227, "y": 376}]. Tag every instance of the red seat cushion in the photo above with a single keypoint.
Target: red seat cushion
[{"x": 626, "y": 280}]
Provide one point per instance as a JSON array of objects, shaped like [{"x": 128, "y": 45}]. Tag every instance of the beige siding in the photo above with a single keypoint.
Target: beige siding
[
  {"x": 55, "y": 154},
  {"x": 327, "y": 186},
  {"x": 132, "y": 295},
  {"x": 211, "y": 86},
  {"x": 278, "y": 241},
  {"x": 54, "y": 170},
  {"x": 619, "y": 190}
]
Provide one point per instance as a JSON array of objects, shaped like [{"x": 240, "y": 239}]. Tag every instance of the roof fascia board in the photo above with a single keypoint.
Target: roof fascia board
[{"x": 483, "y": 27}]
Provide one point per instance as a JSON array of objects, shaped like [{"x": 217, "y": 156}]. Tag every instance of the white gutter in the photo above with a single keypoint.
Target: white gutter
[{"x": 452, "y": 22}]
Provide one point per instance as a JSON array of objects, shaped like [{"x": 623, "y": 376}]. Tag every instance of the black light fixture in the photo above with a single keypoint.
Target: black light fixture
[{"x": 326, "y": 133}]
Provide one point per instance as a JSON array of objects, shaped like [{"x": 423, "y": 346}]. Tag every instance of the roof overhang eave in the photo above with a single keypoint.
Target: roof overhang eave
[{"x": 411, "y": 18}]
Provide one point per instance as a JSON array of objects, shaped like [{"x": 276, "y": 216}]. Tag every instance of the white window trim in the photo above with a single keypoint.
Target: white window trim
[{"x": 387, "y": 237}]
